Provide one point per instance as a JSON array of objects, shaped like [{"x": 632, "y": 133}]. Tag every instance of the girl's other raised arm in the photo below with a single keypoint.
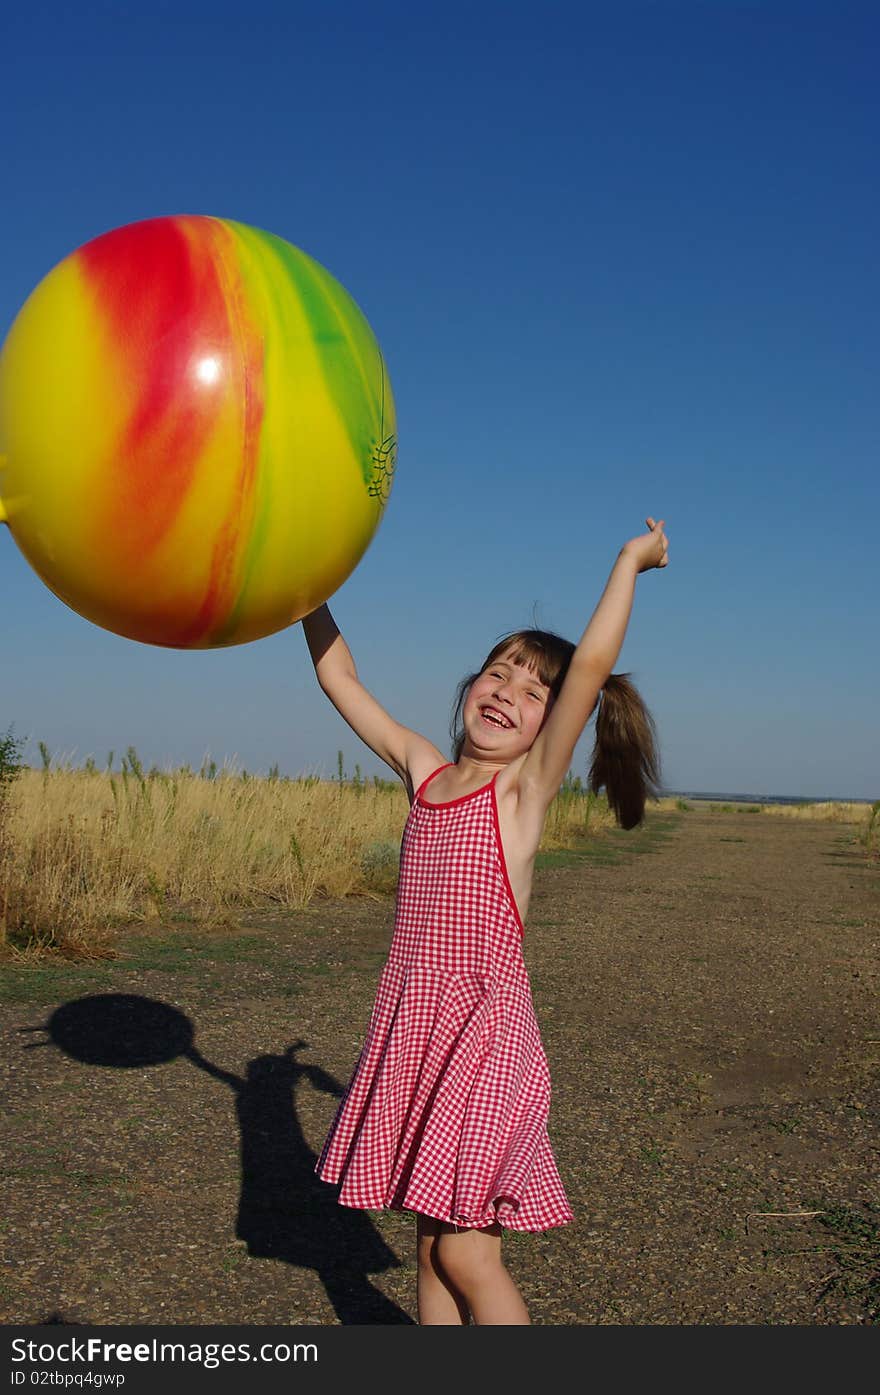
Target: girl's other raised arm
[
  {"x": 548, "y": 760},
  {"x": 337, "y": 675}
]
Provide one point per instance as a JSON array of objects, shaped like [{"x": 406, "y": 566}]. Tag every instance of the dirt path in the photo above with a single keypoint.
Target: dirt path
[{"x": 707, "y": 990}]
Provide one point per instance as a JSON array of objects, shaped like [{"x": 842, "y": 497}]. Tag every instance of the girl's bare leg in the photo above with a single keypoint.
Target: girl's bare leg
[
  {"x": 471, "y": 1261},
  {"x": 440, "y": 1303}
]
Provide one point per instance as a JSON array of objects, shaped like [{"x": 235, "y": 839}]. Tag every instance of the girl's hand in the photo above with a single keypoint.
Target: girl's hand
[{"x": 651, "y": 549}]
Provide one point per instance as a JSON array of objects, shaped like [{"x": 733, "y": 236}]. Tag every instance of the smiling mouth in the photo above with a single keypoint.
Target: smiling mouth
[{"x": 496, "y": 722}]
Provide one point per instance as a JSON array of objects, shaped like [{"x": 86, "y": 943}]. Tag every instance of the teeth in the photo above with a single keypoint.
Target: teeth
[{"x": 492, "y": 717}]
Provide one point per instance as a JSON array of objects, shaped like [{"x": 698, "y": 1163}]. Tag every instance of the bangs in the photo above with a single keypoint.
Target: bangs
[{"x": 533, "y": 654}]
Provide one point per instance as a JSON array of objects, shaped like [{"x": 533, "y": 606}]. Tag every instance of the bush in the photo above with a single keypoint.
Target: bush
[
  {"x": 379, "y": 865},
  {"x": 10, "y": 765},
  {"x": 10, "y": 768}
]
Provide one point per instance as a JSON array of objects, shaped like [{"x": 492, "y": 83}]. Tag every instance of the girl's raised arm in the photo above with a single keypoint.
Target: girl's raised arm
[
  {"x": 337, "y": 675},
  {"x": 549, "y": 757}
]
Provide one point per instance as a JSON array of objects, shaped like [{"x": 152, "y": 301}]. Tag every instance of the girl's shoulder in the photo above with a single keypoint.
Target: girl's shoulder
[{"x": 448, "y": 785}]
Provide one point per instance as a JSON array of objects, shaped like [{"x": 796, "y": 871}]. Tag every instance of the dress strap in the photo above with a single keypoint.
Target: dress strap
[{"x": 431, "y": 776}]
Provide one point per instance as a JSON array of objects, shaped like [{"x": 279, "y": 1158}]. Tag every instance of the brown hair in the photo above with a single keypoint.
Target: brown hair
[{"x": 625, "y": 759}]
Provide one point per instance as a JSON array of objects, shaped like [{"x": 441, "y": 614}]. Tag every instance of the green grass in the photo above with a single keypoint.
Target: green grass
[
  {"x": 290, "y": 988},
  {"x": 171, "y": 956},
  {"x": 855, "y": 1245},
  {"x": 568, "y": 857},
  {"x": 232, "y": 1257},
  {"x": 652, "y": 1152},
  {"x": 614, "y": 846},
  {"x": 241, "y": 949},
  {"x": 23, "y": 984},
  {"x": 85, "y": 1178},
  {"x": 178, "y": 953},
  {"x": 853, "y": 1242}
]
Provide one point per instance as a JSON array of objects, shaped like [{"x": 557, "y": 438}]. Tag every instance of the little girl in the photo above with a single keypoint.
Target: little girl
[{"x": 446, "y": 1112}]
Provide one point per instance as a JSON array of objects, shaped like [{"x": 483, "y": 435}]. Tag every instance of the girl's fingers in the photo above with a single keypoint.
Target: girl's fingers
[{"x": 664, "y": 541}]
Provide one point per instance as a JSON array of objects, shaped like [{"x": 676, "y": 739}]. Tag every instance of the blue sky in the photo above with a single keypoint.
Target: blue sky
[{"x": 621, "y": 260}]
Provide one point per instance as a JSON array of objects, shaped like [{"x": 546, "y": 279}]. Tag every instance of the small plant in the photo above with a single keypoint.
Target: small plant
[
  {"x": 134, "y": 764},
  {"x": 46, "y": 758},
  {"x": 295, "y": 849},
  {"x": 652, "y": 1152},
  {"x": 156, "y": 892},
  {"x": 784, "y": 1125}
]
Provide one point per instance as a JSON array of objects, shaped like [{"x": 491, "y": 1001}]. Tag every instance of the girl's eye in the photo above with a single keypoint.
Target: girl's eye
[{"x": 493, "y": 673}]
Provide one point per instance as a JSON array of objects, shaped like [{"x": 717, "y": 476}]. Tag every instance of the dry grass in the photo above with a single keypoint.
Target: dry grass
[
  {"x": 824, "y": 811},
  {"x": 82, "y": 852},
  {"x": 828, "y": 811}
]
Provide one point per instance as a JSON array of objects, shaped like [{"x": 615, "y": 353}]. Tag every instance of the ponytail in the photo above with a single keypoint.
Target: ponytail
[{"x": 625, "y": 758}]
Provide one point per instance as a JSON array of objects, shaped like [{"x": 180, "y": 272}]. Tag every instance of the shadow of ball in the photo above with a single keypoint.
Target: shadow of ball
[{"x": 120, "y": 1029}]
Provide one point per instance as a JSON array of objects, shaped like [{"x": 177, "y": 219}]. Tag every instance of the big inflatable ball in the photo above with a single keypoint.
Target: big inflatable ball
[{"x": 197, "y": 432}]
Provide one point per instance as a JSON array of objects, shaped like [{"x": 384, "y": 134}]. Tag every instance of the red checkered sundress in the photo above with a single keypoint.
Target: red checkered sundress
[{"x": 446, "y": 1111}]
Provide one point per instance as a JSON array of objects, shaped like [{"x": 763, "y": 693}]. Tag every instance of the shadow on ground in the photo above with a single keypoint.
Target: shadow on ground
[{"x": 285, "y": 1212}]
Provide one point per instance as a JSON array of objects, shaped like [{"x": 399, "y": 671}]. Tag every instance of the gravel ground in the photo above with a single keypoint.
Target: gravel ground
[{"x": 707, "y": 992}]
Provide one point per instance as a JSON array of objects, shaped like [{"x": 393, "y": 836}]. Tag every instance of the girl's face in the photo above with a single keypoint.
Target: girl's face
[{"x": 516, "y": 695}]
